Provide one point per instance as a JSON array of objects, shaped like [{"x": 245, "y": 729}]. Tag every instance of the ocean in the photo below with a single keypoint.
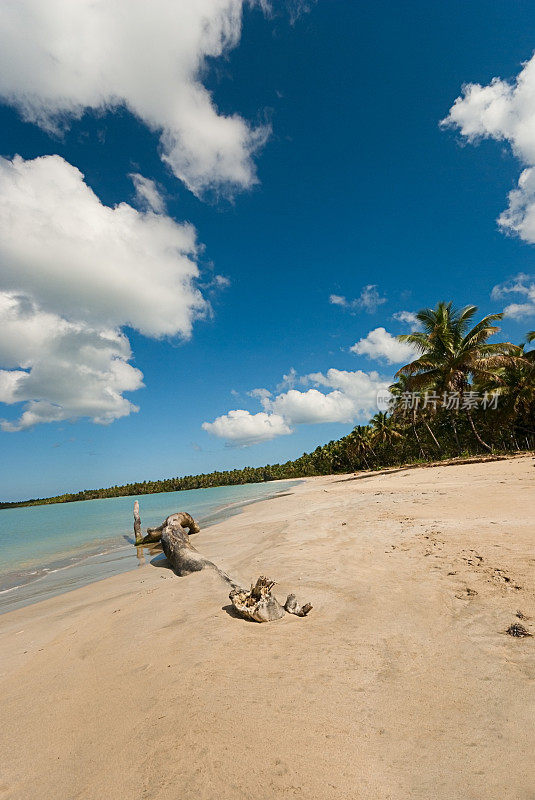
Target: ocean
[{"x": 47, "y": 550}]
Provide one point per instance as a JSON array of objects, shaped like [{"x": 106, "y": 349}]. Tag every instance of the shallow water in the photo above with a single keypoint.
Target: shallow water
[{"x": 51, "y": 549}]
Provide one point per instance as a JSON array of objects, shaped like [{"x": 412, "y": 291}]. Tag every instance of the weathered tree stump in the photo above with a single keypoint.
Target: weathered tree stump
[
  {"x": 257, "y": 604},
  {"x": 155, "y": 534}
]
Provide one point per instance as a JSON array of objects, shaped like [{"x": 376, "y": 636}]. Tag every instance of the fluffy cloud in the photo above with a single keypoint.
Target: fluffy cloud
[
  {"x": 59, "y": 58},
  {"x": 506, "y": 112},
  {"x": 369, "y": 300},
  {"x": 380, "y": 344},
  {"x": 523, "y": 285},
  {"x": 500, "y": 110},
  {"x": 60, "y": 369},
  {"x": 519, "y": 216},
  {"x": 408, "y": 317},
  {"x": 241, "y": 428},
  {"x": 147, "y": 195},
  {"x": 122, "y": 266},
  {"x": 360, "y": 387},
  {"x": 313, "y": 406},
  {"x": 73, "y": 273},
  {"x": 353, "y": 396}
]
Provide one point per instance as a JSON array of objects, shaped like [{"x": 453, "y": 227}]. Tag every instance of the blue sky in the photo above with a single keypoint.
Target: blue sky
[{"x": 357, "y": 185}]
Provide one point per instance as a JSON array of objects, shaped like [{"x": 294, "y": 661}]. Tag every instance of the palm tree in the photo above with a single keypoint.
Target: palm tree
[
  {"x": 451, "y": 353},
  {"x": 515, "y": 385},
  {"x": 397, "y": 390},
  {"x": 359, "y": 443},
  {"x": 385, "y": 429}
]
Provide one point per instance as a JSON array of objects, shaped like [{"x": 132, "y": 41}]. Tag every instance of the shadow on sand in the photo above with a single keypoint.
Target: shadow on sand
[
  {"x": 231, "y": 611},
  {"x": 373, "y": 474}
]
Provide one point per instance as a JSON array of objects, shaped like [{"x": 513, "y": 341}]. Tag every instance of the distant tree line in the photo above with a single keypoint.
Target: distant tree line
[{"x": 461, "y": 396}]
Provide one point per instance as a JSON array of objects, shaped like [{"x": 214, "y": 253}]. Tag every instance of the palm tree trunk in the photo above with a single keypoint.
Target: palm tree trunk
[
  {"x": 432, "y": 435},
  {"x": 455, "y": 433},
  {"x": 422, "y": 452},
  {"x": 476, "y": 434}
]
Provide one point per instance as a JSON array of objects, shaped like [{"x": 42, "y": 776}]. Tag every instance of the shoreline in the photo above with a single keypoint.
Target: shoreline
[
  {"x": 401, "y": 683},
  {"x": 476, "y": 459},
  {"x": 91, "y": 567},
  {"x": 107, "y": 558}
]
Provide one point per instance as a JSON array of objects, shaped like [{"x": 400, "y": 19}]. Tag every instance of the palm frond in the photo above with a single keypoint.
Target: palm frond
[{"x": 466, "y": 314}]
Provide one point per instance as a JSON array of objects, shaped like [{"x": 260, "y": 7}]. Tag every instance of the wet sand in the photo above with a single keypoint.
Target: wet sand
[{"x": 401, "y": 684}]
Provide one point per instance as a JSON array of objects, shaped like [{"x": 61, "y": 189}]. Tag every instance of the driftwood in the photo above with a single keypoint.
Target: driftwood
[
  {"x": 183, "y": 519},
  {"x": 256, "y": 604},
  {"x": 260, "y": 605}
]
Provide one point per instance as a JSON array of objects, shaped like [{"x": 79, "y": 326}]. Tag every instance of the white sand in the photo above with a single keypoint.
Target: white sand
[{"x": 400, "y": 685}]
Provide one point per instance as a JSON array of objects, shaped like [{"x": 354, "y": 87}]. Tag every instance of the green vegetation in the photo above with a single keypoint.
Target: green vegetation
[{"x": 461, "y": 396}]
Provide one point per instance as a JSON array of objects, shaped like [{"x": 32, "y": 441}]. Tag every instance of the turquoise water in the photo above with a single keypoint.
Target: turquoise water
[{"x": 47, "y": 550}]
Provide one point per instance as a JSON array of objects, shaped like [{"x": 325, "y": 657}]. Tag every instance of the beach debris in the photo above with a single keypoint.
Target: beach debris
[
  {"x": 155, "y": 534},
  {"x": 518, "y": 630},
  {"x": 137, "y": 523},
  {"x": 256, "y": 604}
]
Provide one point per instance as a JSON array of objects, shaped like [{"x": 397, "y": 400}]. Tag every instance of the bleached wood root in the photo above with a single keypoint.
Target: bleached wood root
[
  {"x": 183, "y": 519},
  {"x": 260, "y": 605}
]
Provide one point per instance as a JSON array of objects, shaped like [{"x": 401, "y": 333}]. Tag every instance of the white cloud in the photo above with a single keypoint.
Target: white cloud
[
  {"x": 59, "y": 58},
  {"x": 60, "y": 369},
  {"x": 353, "y": 396},
  {"x": 520, "y": 310},
  {"x": 242, "y": 428},
  {"x": 73, "y": 273},
  {"x": 77, "y": 257},
  {"x": 380, "y": 344},
  {"x": 147, "y": 194},
  {"x": 313, "y": 406},
  {"x": 361, "y": 387},
  {"x": 337, "y": 300},
  {"x": 221, "y": 281},
  {"x": 408, "y": 317},
  {"x": 260, "y": 394},
  {"x": 519, "y": 216},
  {"x": 369, "y": 300},
  {"x": 506, "y": 112},
  {"x": 523, "y": 285},
  {"x": 500, "y": 110},
  {"x": 297, "y": 8},
  {"x": 290, "y": 380}
]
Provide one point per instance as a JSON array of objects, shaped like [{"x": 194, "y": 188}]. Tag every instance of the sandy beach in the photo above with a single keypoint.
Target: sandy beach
[{"x": 402, "y": 682}]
